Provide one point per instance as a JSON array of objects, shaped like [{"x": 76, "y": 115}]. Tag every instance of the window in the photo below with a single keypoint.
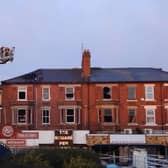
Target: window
[
  {"x": 45, "y": 116},
  {"x": 107, "y": 115},
  {"x": 70, "y": 118},
  {"x": 150, "y": 116},
  {"x": 70, "y": 115},
  {"x": 106, "y": 93},
  {"x": 69, "y": 93},
  {"x": 22, "y": 93},
  {"x": 149, "y": 92},
  {"x": 131, "y": 116},
  {"x": 21, "y": 116},
  {"x": 131, "y": 93},
  {"x": 46, "y": 93}
]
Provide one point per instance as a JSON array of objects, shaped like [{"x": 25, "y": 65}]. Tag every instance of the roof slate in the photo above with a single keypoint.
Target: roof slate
[{"x": 98, "y": 75}]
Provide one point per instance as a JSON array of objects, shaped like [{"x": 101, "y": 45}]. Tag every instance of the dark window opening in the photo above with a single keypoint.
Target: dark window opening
[
  {"x": 107, "y": 115},
  {"x": 106, "y": 93}
]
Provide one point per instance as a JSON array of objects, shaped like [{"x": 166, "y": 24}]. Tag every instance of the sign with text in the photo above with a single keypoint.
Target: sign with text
[
  {"x": 27, "y": 135},
  {"x": 63, "y": 137},
  {"x": 16, "y": 142}
]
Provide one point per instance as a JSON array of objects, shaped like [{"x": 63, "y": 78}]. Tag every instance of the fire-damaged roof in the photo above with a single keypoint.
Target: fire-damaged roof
[{"x": 98, "y": 75}]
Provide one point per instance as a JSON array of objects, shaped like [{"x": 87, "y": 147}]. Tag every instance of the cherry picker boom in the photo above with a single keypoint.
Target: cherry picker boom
[{"x": 6, "y": 54}]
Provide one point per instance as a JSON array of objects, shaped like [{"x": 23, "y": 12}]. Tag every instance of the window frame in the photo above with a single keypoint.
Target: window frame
[
  {"x": 70, "y": 115},
  {"x": 109, "y": 93},
  {"x": 149, "y": 116},
  {"x": 22, "y": 89},
  {"x": 135, "y": 115},
  {"x": 131, "y": 97},
  {"x": 66, "y": 93},
  {"x": 149, "y": 94},
  {"x": 43, "y": 94},
  {"x": 25, "y": 117},
  {"x": 107, "y": 115},
  {"x": 44, "y": 109}
]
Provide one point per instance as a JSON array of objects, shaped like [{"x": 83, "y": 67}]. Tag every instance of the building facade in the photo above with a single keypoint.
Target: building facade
[{"x": 114, "y": 100}]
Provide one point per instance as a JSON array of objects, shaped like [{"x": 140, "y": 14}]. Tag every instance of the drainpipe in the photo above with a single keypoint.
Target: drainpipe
[
  {"x": 162, "y": 106},
  {"x": 88, "y": 106},
  {"x": 36, "y": 107}
]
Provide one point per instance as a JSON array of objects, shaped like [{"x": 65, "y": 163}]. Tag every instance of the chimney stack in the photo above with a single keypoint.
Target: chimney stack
[{"x": 86, "y": 64}]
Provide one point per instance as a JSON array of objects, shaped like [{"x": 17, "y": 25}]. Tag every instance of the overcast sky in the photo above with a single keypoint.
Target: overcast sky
[{"x": 51, "y": 33}]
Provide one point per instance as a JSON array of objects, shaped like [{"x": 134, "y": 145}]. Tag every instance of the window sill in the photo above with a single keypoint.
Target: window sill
[
  {"x": 22, "y": 100},
  {"x": 69, "y": 99},
  {"x": 150, "y": 100},
  {"x": 133, "y": 100},
  {"x": 46, "y": 124},
  {"x": 106, "y": 99},
  {"x": 22, "y": 124},
  {"x": 132, "y": 124},
  {"x": 152, "y": 124},
  {"x": 70, "y": 123},
  {"x": 105, "y": 123},
  {"x": 47, "y": 100}
]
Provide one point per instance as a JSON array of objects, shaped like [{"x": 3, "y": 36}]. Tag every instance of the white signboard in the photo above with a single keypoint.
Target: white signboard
[
  {"x": 45, "y": 137},
  {"x": 127, "y": 139},
  {"x": 79, "y": 136}
]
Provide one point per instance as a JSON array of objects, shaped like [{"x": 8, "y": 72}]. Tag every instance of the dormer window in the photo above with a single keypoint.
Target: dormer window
[
  {"x": 106, "y": 93},
  {"x": 69, "y": 93}
]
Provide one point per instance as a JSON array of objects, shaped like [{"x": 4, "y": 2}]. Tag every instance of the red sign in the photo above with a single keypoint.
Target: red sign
[
  {"x": 7, "y": 131},
  {"x": 27, "y": 135},
  {"x": 16, "y": 142}
]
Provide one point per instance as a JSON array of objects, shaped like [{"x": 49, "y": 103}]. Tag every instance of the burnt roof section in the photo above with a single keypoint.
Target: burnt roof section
[
  {"x": 48, "y": 76},
  {"x": 98, "y": 75}
]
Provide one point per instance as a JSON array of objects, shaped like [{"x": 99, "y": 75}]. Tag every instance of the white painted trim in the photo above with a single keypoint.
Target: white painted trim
[
  {"x": 149, "y": 84},
  {"x": 23, "y": 89},
  {"x": 46, "y": 108},
  {"x": 74, "y": 116},
  {"x": 150, "y": 107},
  {"x": 73, "y": 92}
]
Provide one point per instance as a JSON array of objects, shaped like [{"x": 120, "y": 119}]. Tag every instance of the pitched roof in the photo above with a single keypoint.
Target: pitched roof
[
  {"x": 129, "y": 75},
  {"x": 98, "y": 75}
]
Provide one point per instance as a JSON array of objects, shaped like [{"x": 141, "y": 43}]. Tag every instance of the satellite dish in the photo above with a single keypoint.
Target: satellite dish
[{"x": 6, "y": 54}]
